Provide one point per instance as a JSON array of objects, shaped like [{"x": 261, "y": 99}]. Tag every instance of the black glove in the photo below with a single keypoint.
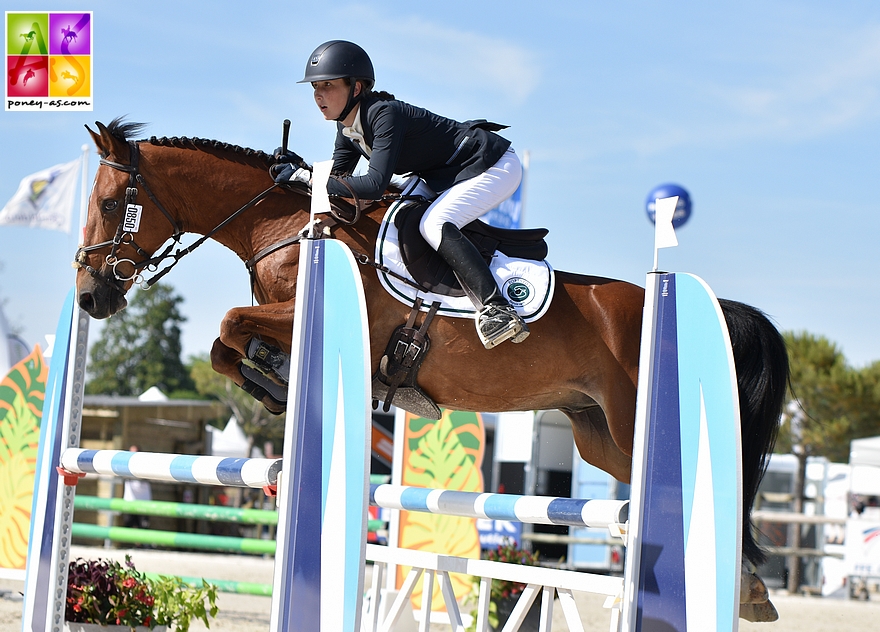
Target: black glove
[
  {"x": 280, "y": 155},
  {"x": 286, "y": 172}
]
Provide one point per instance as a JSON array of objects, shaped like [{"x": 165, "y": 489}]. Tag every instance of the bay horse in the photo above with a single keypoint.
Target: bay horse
[{"x": 581, "y": 358}]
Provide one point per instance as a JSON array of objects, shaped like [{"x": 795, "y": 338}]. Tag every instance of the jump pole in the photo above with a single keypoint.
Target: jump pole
[
  {"x": 52, "y": 509},
  {"x": 188, "y": 511},
  {"x": 684, "y": 542},
  {"x": 318, "y": 582}
]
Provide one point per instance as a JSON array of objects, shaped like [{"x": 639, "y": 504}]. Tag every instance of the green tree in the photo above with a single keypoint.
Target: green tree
[
  {"x": 257, "y": 423},
  {"x": 822, "y": 385},
  {"x": 140, "y": 347},
  {"x": 866, "y": 417}
]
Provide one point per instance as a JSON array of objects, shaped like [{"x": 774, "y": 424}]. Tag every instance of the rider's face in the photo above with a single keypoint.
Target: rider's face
[{"x": 331, "y": 97}]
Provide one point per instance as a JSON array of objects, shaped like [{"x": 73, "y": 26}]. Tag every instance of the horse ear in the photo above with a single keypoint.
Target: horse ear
[
  {"x": 96, "y": 138},
  {"x": 104, "y": 140}
]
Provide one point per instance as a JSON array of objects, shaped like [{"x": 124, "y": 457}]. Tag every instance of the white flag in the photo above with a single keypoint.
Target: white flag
[
  {"x": 664, "y": 231},
  {"x": 44, "y": 199}
]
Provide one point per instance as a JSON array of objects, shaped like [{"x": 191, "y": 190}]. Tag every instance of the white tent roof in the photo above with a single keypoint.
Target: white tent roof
[
  {"x": 231, "y": 441},
  {"x": 153, "y": 394}
]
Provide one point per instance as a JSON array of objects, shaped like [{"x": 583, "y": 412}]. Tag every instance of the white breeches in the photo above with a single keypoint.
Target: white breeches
[{"x": 466, "y": 201}]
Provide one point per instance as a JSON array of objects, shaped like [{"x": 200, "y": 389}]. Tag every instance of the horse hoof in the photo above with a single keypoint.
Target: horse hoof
[
  {"x": 758, "y": 612},
  {"x": 274, "y": 407},
  {"x": 260, "y": 394},
  {"x": 752, "y": 589}
]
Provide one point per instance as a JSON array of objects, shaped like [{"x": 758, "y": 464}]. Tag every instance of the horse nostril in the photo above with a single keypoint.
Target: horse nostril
[{"x": 86, "y": 301}]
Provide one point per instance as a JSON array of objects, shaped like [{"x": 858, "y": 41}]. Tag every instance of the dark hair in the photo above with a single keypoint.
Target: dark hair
[{"x": 368, "y": 91}]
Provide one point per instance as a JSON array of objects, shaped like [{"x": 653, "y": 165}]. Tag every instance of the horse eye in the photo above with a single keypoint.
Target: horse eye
[{"x": 109, "y": 206}]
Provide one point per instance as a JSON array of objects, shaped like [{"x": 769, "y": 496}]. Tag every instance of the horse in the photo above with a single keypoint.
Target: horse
[{"x": 582, "y": 356}]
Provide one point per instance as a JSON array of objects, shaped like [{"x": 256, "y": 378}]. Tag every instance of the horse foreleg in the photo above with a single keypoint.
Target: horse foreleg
[{"x": 270, "y": 323}]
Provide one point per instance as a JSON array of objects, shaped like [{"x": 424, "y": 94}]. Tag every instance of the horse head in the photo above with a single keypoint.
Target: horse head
[{"x": 125, "y": 225}]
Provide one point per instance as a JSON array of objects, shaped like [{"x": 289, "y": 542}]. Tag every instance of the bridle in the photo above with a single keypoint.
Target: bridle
[{"x": 125, "y": 232}]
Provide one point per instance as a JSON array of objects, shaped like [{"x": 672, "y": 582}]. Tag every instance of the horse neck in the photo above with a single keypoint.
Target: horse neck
[
  {"x": 206, "y": 188},
  {"x": 202, "y": 188}
]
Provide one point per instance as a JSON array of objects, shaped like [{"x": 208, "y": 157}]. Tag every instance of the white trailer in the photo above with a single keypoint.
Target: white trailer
[{"x": 862, "y": 548}]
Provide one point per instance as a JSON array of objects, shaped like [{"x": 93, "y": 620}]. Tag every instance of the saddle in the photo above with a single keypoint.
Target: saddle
[
  {"x": 396, "y": 380},
  {"x": 432, "y": 272}
]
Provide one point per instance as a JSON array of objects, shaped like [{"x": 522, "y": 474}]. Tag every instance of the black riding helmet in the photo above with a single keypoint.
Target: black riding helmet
[{"x": 338, "y": 59}]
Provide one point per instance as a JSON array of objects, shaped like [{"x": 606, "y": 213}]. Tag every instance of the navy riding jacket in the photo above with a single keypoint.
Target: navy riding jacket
[{"x": 408, "y": 139}]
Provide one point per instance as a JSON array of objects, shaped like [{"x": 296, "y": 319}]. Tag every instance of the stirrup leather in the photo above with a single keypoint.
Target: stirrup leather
[{"x": 396, "y": 380}]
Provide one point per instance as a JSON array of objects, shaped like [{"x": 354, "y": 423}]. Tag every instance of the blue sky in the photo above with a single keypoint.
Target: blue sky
[{"x": 767, "y": 112}]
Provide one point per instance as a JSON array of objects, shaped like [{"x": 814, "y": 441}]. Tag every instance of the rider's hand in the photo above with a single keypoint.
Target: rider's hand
[
  {"x": 282, "y": 155},
  {"x": 286, "y": 172}
]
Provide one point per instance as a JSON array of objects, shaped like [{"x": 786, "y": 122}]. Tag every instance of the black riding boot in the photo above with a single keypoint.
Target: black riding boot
[{"x": 497, "y": 321}]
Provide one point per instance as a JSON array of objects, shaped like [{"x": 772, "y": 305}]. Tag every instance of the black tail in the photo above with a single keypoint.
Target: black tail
[{"x": 762, "y": 374}]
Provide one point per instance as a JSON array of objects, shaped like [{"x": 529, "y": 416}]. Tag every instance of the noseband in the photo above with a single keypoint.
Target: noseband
[{"x": 128, "y": 225}]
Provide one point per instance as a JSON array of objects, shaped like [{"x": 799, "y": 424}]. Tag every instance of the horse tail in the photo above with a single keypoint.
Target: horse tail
[{"x": 762, "y": 374}]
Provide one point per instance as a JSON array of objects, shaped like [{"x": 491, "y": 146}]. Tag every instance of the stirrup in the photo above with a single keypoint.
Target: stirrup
[{"x": 495, "y": 324}]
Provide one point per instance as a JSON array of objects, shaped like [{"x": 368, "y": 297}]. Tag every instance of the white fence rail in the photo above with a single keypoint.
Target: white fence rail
[{"x": 381, "y": 616}]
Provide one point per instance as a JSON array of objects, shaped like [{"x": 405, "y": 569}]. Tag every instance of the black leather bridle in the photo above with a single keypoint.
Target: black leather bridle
[{"x": 125, "y": 237}]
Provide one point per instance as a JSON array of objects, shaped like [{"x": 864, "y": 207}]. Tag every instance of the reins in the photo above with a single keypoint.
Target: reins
[
  {"x": 125, "y": 233},
  {"x": 126, "y": 237}
]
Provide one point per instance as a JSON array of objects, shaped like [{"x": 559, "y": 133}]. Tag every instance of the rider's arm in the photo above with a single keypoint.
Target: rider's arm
[{"x": 388, "y": 126}]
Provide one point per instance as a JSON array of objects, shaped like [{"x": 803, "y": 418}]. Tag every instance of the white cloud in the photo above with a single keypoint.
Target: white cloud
[
  {"x": 832, "y": 85},
  {"x": 447, "y": 58},
  {"x": 823, "y": 94}
]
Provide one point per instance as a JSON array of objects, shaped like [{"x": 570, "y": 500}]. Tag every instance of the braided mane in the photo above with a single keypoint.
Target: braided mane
[{"x": 124, "y": 130}]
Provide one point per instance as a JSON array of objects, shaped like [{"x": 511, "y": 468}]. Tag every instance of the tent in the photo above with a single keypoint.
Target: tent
[{"x": 231, "y": 441}]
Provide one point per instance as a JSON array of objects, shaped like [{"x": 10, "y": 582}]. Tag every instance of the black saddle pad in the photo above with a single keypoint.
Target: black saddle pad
[{"x": 432, "y": 272}]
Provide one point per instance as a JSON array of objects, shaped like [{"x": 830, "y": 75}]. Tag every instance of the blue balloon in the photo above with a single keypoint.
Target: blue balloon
[{"x": 682, "y": 208}]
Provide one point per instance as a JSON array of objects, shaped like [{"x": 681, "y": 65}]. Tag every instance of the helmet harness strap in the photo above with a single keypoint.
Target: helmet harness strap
[{"x": 352, "y": 100}]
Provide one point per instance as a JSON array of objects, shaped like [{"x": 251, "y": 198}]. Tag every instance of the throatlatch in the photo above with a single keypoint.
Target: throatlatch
[{"x": 396, "y": 380}]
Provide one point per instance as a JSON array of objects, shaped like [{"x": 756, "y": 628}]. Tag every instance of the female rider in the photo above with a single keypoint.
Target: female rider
[{"x": 471, "y": 167}]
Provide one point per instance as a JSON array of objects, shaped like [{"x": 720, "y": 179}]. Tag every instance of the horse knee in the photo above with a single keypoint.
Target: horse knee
[
  {"x": 225, "y": 360},
  {"x": 233, "y": 333}
]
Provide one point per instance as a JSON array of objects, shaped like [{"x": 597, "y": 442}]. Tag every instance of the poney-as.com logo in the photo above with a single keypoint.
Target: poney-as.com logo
[{"x": 48, "y": 61}]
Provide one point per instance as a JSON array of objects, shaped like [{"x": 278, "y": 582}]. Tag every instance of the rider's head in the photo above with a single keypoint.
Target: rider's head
[{"x": 339, "y": 59}]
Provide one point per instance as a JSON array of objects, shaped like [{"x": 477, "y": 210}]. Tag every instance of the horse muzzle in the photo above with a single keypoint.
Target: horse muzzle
[{"x": 99, "y": 297}]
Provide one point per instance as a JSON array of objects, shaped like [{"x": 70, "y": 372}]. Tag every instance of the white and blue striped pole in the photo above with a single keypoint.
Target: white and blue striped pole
[
  {"x": 174, "y": 468},
  {"x": 572, "y": 512}
]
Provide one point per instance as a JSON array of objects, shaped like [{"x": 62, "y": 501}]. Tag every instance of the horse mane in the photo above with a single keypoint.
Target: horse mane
[{"x": 124, "y": 130}]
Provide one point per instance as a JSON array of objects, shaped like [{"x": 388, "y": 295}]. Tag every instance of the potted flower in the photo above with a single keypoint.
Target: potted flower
[
  {"x": 105, "y": 595},
  {"x": 504, "y": 594}
]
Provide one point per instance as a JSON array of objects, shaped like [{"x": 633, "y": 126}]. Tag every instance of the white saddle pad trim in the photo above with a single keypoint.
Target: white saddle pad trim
[{"x": 534, "y": 278}]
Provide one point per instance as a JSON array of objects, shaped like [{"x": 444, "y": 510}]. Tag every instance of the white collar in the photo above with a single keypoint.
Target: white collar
[{"x": 356, "y": 131}]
